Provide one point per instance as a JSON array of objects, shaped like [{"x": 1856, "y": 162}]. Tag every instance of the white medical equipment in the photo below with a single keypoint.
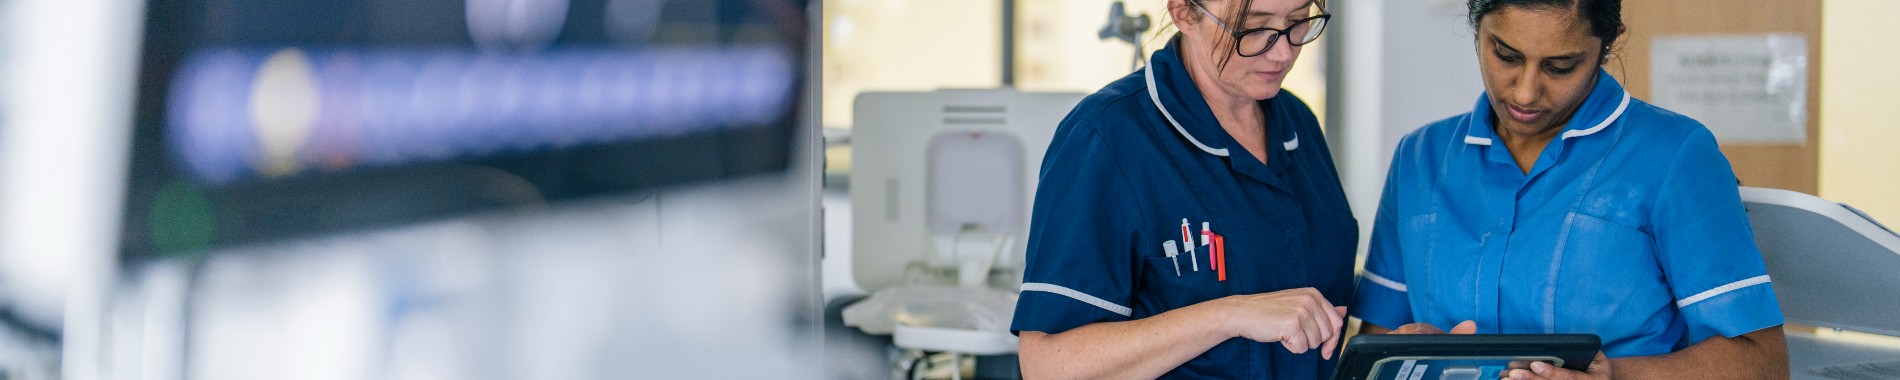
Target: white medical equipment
[
  {"x": 941, "y": 189},
  {"x": 941, "y": 179},
  {"x": 1835, "y": 268}
]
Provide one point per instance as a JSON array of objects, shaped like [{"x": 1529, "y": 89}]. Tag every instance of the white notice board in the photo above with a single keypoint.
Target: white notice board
[{"x": 1750, "y": 89}]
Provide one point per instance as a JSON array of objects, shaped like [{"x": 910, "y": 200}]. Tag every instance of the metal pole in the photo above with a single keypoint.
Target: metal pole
[{"x": 1009, "y": 43}]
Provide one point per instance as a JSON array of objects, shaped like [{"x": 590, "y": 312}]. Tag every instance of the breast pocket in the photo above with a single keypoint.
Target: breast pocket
[
  {"x": 1608, "y": 272},
  {"x": 1166, "y": 289}
]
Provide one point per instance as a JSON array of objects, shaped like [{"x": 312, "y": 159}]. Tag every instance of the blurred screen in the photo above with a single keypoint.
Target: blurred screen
[
  {"x": 263, "y": 120},
  {"x": 1445, "y": 369}
]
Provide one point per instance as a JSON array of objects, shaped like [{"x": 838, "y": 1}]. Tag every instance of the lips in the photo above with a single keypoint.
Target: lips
[{"x": 1522, "y": 115}]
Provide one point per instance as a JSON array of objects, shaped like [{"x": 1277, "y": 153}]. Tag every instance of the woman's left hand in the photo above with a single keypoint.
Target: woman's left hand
[{"x": 1599, "y": 369}]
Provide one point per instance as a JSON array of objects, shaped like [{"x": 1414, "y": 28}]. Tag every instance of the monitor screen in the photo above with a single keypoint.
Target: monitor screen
[{"x": 260, "y": 120}]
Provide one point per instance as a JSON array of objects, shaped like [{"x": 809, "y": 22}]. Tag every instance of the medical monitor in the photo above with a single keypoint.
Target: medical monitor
[{"x": 268, "y": 120}]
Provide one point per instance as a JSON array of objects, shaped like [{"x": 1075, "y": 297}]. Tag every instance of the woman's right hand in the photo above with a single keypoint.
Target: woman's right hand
[{"x": 1300, "y": 319}]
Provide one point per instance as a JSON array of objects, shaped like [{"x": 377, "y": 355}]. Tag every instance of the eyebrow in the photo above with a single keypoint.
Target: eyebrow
[
  {"x": 1500, "y": 44},
  {"x": 1269, "y": 14}
]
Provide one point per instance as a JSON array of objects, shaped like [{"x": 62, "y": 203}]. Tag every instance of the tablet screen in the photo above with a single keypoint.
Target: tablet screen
[{"x": 1445, "y": 369}]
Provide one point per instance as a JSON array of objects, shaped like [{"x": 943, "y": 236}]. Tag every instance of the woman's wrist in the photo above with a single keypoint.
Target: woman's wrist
[{"x": 1215, "y": 315}]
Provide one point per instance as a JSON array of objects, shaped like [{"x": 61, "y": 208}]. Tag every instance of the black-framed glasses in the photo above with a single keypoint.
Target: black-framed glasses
[{"x": 1256, "y": 41}]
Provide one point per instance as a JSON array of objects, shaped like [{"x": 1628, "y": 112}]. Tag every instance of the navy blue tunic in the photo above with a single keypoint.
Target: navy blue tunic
[{"x": 1119, "y": 181}]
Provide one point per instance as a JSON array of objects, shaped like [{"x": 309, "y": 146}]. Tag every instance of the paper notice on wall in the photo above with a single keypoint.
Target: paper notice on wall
[{"x": 1749, "y": 89}]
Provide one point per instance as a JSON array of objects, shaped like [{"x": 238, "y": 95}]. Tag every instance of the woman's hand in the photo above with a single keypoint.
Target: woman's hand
[
  {"x": 1300, "y": 319},
  {"x": 1599, "y": 369},
  {"x": 1466, "y": 327}
]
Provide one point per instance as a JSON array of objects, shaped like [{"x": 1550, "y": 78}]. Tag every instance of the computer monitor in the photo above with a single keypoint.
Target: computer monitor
[
  {"x": 469, "y": 189},
  {"x": 261, "y": 120}
]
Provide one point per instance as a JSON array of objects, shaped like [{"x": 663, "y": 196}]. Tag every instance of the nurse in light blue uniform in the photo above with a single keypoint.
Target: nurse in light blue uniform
[
  {"x": 1560, "y": 204},
  {"x": 1189, "y": 221}
]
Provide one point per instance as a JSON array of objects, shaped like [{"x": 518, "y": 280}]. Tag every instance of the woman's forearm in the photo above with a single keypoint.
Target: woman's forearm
[
  {"x": 1138, "y": 349},
  {"x": 1762, "y": 354}
]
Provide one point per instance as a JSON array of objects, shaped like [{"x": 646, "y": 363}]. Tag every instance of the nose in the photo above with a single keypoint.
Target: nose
[
  {"x": 1528, "y": 86},
  {"x": 1281, "y": 52}
]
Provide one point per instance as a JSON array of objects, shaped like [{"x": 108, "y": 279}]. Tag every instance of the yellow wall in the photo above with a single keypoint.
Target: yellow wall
[
  {"x": 907, "y": 45},
  {"x": 1860, "y": 135},
  {"x": 915, "y": 45},
  {"x": 1058, "y": 49},
  {"x": 920, "y": 45}
]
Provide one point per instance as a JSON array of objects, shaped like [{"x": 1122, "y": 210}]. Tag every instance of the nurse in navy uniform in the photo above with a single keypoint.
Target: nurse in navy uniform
[{"x": 1189, "y": 222}]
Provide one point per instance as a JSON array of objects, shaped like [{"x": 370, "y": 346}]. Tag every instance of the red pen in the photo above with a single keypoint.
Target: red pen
[
  {"x": 1220, "y": 256},
  {"x": 1213, "y": 254}
]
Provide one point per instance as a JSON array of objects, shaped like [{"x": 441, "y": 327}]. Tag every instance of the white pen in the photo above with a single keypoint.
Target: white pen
[
  {"x": 1188, "y": 240},
  {"x": 1206, "y": 230},
  {"x": 1172, "y": 253}
]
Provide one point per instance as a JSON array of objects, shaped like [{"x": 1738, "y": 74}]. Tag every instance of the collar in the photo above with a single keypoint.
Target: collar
[
  {"x": 1603, "y": 107},
  {"x": 1179, "y": 100}
]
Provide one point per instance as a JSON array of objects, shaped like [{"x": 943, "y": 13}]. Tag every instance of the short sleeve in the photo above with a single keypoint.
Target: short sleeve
[
  {"x": 1081, "y": 257},
  {"x": 1382, "y": 298},
  {"x": 1706, "y": 247}
]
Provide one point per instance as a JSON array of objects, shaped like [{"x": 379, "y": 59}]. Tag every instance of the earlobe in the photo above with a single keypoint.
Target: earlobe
[
  {"x": 1608, "y": 46},
  {"x": 1621, "y": 30}
]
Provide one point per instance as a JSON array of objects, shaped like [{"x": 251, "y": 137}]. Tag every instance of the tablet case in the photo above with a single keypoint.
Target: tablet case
[{"x": 1365, "y": 353}]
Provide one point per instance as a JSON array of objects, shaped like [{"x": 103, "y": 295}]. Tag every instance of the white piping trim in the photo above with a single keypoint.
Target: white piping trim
[
  {"x": 1290, "y": 145},
  {"x": 1156, "y": 96},
  {"x": 1719, "y": 290},
  {"x": 1606, "y": 122},
  {"x": 1382, "y": 281},
  {"x": 1078, "y": 296},
  {"x": 1475, "y": 140}
]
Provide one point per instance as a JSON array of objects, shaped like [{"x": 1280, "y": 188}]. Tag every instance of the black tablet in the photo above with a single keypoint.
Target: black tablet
[{"x": 1459, "y": 357}]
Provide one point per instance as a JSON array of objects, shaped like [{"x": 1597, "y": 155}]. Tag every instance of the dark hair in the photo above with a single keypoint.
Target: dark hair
[{"x": 1604, "y": 17}]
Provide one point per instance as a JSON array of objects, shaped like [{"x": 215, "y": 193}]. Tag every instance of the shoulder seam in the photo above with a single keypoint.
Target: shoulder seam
[
  {"x": 1675, "y": 160},
  {"x": 1121, "y": 173}
]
